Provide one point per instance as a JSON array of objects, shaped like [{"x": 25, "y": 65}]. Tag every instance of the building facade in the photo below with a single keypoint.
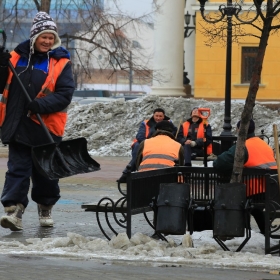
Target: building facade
[{"x": 209, "y": 67}]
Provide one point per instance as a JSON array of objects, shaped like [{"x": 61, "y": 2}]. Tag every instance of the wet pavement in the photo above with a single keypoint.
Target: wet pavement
[
  {"x": 26, "y": 268},
  {"x": 67, "y": 213}
]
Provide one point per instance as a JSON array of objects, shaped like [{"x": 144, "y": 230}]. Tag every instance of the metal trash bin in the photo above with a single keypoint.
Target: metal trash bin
[
  {"x": 229, "y": 210},
  {"x": 172, "y": 207}
]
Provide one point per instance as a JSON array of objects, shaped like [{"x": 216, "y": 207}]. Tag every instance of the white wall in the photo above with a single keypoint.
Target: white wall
[{"x": 189, "y": 45}]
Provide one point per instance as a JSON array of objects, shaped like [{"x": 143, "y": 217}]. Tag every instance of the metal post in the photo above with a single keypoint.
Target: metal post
[
  {"x": 130, "y": 72},
  {"x": 227, "y": 116}
]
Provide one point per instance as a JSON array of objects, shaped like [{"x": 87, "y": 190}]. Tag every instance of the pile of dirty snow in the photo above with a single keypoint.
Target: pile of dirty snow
[
  {"x": 110, "y": 127},
  {"x": 200, "y": 249}
]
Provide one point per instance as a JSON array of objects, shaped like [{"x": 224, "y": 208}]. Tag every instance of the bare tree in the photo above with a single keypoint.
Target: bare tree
[
  {"x": 89, "y": 33},
  {"x": 266, "y": 24}
]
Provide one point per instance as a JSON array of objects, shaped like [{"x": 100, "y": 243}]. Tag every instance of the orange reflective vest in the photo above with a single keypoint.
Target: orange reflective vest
[
  {"x": 146, "y": 134},
  {"x": 260, "y": 155},
  {"x": 200, "y": 134},
  {"x": 55, "y": 122},
  {"x": 159, "y": 152}
]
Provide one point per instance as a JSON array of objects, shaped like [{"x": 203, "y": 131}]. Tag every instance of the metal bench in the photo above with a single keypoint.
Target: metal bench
[{"x": 143, "y": 187}]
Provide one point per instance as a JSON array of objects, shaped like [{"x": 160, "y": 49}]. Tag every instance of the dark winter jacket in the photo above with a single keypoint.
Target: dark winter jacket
[
  {"x": 199, "y": 141},
  {"x": 141, "y": 134},
  {"x": 17, "y": 126},
  {"x": 225, "y": 160}
]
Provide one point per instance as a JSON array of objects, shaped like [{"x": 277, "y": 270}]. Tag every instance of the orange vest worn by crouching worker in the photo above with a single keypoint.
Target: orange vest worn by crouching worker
[
  {"x": 146, "y": 133},
  {"x": 200, "y": 134},
  {"x": 159, "y": 152},
  {"x": 55, "y": 122},
  {"x": 260, "y": 155}
]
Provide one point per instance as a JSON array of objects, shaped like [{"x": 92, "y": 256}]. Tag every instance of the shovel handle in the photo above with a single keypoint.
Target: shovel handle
[
  {"x": 178, "y": 128},
  {"x": 29, "y": 99},
  {"x": 276, "y": 145}
]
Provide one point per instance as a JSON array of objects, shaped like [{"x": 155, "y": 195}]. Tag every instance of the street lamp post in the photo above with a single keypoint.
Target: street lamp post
[
  {"x": 188, "y": 30},
  {"x": 229, "y": 10},
  {"x": 187, "y": 27}
]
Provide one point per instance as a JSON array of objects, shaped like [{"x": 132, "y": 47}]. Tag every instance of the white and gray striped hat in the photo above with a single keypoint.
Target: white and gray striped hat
[{"x": 43, "y": 23}]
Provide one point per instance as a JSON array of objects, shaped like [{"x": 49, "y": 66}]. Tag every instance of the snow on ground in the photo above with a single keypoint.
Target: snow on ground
[
  {"x": 110, "y": 127},
  {"x": 145, "y": 250}
]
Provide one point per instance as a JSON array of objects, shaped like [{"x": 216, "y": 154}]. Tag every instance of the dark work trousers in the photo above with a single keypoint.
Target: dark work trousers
[
  {"x": 259, "y": 216},
  {"x": 17, "y": 182},
  {"x": 187, "y": 154},
  {"x": 134, "y": 152},
  {"x": 258, "y": 213},
  {"x": 188, "y": 151}
]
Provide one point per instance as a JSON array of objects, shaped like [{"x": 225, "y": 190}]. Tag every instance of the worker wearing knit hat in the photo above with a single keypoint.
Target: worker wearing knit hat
[
  {"x": 45, "y": 71},
  {"x": 43, "y": 23},
  {"x": 165, "y": 125}
]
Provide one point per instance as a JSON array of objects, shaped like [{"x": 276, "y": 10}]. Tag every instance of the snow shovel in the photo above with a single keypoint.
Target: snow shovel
[
  {"x": 61, "y": 160},
  {"x": 53, "y": 160}
]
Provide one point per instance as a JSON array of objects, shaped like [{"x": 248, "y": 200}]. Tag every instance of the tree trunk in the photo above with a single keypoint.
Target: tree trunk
[{"x": 45, "y": 6}]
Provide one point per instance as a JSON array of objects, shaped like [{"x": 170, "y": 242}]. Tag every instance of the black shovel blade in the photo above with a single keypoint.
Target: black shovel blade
[{"x": 68, "y": 158}]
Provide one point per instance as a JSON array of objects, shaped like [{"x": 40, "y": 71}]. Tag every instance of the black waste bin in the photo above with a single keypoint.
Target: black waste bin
[
  {"x": 229, "y": 210},
  {"x": 172, "y": 206}
]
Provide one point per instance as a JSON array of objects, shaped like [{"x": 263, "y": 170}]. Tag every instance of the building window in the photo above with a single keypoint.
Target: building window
[{"x": 249, "y": 55}]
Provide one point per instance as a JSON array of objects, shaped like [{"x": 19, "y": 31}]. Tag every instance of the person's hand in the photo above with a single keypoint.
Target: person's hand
[
  {"x": 33, "y": 106},
  {"x": 193, "y": 143},
  {"x": 4, "y": 59},
  {"x": 190, "y": 142}
]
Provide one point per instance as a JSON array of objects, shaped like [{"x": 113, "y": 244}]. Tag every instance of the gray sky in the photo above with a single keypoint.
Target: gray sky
[{"x": 133, "y": 7}]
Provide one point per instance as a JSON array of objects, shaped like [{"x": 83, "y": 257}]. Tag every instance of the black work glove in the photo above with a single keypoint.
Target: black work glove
[
  {"x": 4, "y": 58},
  {"x": 33, "y": 106}
]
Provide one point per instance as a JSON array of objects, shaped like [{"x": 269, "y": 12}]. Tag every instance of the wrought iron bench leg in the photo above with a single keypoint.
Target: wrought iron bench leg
[{"x": 153, "y": 227}]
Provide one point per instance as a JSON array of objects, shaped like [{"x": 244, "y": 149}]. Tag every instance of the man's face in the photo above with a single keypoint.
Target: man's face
[{"x": 158, "y": 116}]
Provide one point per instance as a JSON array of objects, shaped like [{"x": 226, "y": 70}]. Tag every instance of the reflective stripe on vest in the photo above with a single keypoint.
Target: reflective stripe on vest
[
  {"x": 146, "y": 133},
  {"x": 260, "y": 155},
  {"x": 55, "y": 122},
  {"x": 200, "y": 134},
  {"x": 159, "y": 152}
]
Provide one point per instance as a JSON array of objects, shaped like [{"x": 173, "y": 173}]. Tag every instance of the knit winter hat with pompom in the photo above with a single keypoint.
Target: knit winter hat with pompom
[{"x": 43, "y": 23}]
